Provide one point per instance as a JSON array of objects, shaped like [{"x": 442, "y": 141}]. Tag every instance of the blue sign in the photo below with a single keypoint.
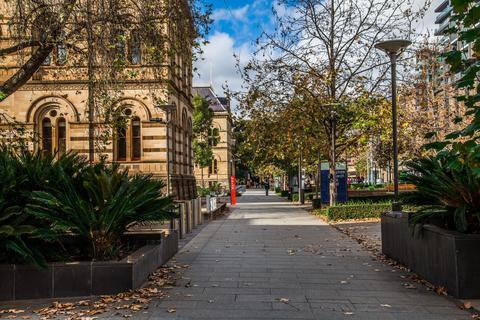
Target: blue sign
[{"x": 341, "y": 175}]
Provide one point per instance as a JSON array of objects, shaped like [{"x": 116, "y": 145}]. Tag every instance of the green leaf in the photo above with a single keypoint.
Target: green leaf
[
  {"x": 437, "y": 145},
  {"x": 460, "y": 5},
  {"x": 430, "y": 135}
]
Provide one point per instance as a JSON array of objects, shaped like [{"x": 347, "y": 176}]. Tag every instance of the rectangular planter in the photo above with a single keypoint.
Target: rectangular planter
[
  {"x": 445, "y": 258},
  {"x": 74, "y": 279}
]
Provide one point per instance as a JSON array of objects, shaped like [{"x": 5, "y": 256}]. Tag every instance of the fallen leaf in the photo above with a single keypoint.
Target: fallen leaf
[
  {"x": 409, "y": 286},
  {"x": 441, "y": 291},
  {"x": 386, "y": 305},
  {"x": 284, "y": 300},
  {"x": 171, "y": 310}
]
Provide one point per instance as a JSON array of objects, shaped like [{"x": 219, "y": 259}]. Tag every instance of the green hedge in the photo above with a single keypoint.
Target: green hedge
[
  {"x": 308, "y": 196},
  {"x": 361, "y": 211},
  {"x": 284, "y": 193}
]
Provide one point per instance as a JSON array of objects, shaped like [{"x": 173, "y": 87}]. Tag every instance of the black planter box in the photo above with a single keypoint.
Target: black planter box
[
  {"x": 74, "y": 279},
  {"x": 445, "y": 258}
]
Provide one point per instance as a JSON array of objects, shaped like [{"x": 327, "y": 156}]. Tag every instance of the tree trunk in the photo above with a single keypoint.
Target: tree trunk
[
  {"x": 28, "y": 69},
  {"x": 91, "y": 84},
  {"x": 332, "y": 162}
]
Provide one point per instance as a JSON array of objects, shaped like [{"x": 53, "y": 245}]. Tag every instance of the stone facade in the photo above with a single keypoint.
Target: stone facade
[
  {"x": 53, "y": 107},
  {"x": 222, "y": 167}
]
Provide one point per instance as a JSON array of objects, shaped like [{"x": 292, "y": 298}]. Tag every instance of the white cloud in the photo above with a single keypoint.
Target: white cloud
[
  {"x": 229, "y": 14},
  {"x": 219, "y": 62}
]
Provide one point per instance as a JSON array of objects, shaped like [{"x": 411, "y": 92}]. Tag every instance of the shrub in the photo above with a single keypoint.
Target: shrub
[
  {"x": 360, "y": 211},
  {"x": 452, "y": 184},
  {"x": 203, "y": 192},
  {"x": 24, "y": 238},
  {"x": 101, "y": 209},
  {"x": 278, "y": 190},
  {"x": 296, "y": 196},
  {"x": 284, "y": 193}
]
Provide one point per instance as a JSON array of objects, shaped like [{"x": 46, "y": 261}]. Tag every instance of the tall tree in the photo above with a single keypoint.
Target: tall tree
[
  {"x": 331, "y": 43},
  {"x": 203, "y": 139}
]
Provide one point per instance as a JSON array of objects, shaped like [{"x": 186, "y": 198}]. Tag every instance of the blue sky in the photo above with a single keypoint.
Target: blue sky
[{"x": 237, "y": 25}]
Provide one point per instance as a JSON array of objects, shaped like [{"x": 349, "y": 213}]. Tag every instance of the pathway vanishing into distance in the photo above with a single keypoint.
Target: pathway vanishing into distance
[{"x": 270, "y": 259}]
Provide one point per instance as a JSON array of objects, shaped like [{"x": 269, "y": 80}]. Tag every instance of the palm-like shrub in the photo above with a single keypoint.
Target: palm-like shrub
[
  {"x": 13, "y": 227},
  {"x": 452, "y": 183},
  {"x": 22, "y": 237},
  {"x": 100, "y": 210}
]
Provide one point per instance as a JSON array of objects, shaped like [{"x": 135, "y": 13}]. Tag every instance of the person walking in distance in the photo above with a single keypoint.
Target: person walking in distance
[{"x": 267, "y": 187}]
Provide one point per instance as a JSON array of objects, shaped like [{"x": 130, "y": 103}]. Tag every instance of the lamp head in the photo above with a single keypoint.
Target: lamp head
[{"x": 393, "y": 46}]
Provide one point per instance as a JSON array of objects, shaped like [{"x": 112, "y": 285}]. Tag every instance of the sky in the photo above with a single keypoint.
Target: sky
[{"x": 237, "y": 24}]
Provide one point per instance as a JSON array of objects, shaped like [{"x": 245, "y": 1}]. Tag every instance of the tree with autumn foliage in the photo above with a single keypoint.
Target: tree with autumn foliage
[{"x": 329, "y": 44}]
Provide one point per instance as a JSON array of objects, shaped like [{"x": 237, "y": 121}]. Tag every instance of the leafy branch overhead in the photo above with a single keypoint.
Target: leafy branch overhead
[{"x": 88, "y": 31}]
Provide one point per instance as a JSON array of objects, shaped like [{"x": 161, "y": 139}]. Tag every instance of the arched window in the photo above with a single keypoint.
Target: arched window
[
  {"x": 134, "y": 49},
  {"x": 128, "y": 137},
  {"x": 47, "y": 136},
  {"x": 136, "y": 139},
  {"x": 210, "y": 168},
  {"x": 214, "y": 137},
  {"x": 122, "y": 143},
  {"x": 61, "y": 136},
  {"x": 215, "y": 166}
]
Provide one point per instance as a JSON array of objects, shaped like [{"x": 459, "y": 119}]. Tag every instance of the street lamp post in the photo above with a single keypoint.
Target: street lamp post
[
  {"x": 393, "y": 48},
  {"x": 168, "y": 109}
]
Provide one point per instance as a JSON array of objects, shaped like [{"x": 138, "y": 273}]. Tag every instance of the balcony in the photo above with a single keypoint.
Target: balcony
[
  {"x": 441, "y": 29},
  {"x": 443, "y": 16},
  {"x": 442, "y": 6}
]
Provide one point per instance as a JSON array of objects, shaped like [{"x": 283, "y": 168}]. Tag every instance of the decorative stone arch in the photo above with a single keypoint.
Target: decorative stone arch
[
  {"x": 40, "y": 107},
  {"x": 139, "y": 109}
]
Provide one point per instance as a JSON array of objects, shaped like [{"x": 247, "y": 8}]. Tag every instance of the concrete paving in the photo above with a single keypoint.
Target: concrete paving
[{"x": 270, "y": 259}]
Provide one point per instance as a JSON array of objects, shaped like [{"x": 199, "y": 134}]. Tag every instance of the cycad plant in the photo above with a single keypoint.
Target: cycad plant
[
  {"x": 101, "y": 209},
  {"x": 24, "y": 239},
  {"x": 452, "y": 181},
  {"x": 13, "y": 227}
]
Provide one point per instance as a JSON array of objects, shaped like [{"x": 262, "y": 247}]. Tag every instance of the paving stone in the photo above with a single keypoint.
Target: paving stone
[{"x": 270, "y": 259}]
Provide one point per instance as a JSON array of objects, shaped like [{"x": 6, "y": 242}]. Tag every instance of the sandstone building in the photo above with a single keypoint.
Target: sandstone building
[
  {"x": 53, "y": 106},
  {"x": 223, "y": 166}
]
